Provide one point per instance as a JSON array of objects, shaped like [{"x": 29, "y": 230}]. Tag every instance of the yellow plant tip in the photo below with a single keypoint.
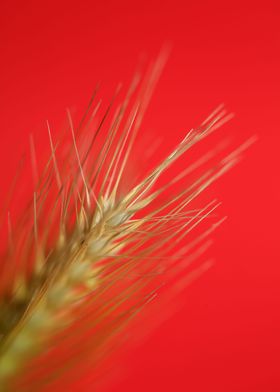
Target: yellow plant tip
[{"x": 96, "y": 246}]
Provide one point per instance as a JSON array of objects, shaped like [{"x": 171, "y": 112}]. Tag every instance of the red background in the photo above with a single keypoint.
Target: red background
[{"x": 226, "y": 338}]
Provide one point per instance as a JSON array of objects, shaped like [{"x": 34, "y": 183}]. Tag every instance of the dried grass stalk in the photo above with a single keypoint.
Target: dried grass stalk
[{"x": 96, "y": 250}]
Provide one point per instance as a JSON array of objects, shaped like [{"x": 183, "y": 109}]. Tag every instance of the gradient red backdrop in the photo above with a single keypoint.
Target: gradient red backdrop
[{"x": 226, "y": 338}]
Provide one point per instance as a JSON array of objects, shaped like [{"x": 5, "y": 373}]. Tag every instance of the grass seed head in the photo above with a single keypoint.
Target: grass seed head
[{"x": 93, "y": 255}]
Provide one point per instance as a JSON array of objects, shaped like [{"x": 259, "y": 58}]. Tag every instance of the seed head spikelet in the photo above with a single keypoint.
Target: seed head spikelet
[{"x": 94, "y": 246}]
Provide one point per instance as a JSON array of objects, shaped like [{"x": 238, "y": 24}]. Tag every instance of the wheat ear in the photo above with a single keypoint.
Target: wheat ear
[{"x": 93, "y": 254}]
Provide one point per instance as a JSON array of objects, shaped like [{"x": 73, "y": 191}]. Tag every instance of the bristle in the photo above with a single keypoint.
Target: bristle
[{"x": 91, "y": 256}]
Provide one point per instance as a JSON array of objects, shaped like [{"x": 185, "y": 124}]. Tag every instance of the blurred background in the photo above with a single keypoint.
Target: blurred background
[{"x": 226, "y": 337}]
